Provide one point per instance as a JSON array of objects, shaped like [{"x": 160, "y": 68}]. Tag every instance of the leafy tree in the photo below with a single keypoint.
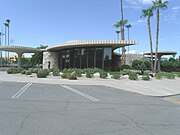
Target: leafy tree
[
  {"x": 157, "y": 5},
  {"x": 149, "y": 13},
  {"x": 136, "y": 64},
  {"x": 37, "y": 58}
]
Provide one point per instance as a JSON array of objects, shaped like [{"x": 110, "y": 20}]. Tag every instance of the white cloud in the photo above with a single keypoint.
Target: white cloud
[
  {"x": 172, "y": 17},
  {"x": 139, "y": 22},
  {"x": 136, "y": 2},
  {"x": 175, "y": 8}
]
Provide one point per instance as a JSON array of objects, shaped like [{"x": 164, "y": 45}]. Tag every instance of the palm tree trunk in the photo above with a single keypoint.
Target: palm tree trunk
[
  {"x": 128, "y": 39},
  {"x": 150, "y": 38},
  {"x": 5, "y": 45},
  {"x": 8, "y": 45},
  {"x": 157, "y": 37},
  {"x": 122, "y": 33}
]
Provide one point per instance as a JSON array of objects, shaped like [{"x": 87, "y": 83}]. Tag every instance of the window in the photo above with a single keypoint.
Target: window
[
  {"x": 99, "y": 57},
  {"x": 84, "y": 58},
  {"x": 91, "y": 57},
  {"x": 107, "y": 58},
  {"x": 77, "y": 57}
]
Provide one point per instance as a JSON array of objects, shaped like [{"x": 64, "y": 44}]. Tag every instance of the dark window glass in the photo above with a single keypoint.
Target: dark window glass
[
  {"x": 67, "y": 59},
  {"x": 72, "y": 58},
  {"x": 77, "y": 56},
  {"x": 107, "y": 58},
  {"x": 91, "y": 58},
  {"x": 84, "y": 58},
  {"x": 99, "y": 57},
  {"x": 63, "y": 60}
]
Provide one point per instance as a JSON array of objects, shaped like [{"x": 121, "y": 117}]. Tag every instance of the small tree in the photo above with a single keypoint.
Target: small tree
[{"x": 37, "y": 58}]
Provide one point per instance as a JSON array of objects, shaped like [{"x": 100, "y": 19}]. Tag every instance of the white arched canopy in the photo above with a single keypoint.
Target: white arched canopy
[{"x": 19, "y": 50}]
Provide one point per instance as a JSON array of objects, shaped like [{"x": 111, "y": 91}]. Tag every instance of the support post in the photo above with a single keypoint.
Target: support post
[
  {"x": 159, "y": 62},
  {"x": 19, "y": 59}
]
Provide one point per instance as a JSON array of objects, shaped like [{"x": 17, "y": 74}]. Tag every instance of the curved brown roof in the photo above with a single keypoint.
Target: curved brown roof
[{"x": 92, "y": 43}]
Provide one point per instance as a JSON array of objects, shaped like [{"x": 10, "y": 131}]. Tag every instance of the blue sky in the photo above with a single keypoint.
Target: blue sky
[{"x": 48, "y": 22}]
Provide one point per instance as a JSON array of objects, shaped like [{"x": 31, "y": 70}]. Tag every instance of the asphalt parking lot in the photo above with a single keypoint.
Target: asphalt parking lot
[{"x": 52, "y": 109}]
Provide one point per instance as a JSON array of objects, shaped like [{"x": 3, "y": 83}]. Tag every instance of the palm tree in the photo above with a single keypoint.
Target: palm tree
[
  {"x": 149, "y": 13},
  {"x": 122, "y": 23},
  {"x": 122, "y": 30},
  {"x": 157, "y": 5},
  {"x": 117, "y": 25},
  {"x": 128, "y": 27}
]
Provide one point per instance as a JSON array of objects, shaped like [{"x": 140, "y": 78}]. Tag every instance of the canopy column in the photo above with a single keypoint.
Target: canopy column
[
  {"x": 19, "y": 59},
  {"x": 159, "y": 62}
]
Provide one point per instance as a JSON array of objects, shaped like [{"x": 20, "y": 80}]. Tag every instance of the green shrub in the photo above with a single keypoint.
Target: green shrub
[
  {"x": 143, "y": 67},
  {"x": 70, "y": 70},
  {"x": 28, "y": 72},
  {"x": 55, "y": 72},
  {"x": 148, "y": 64},
  {"x": 103, "y": 74},
  {"x": 93, "y": 70},
  {"x": 42, "y": 73},
  {"x": 136, "y": 64},
  {"x": 23, "y": 71},
  {"x": 65, "y": 75},
  {"x": 169, "y": 75},
  {"x": 178, "y": 74},
  {"x": 79, "y": 72},
  {"x": 122, "y": 67},
  {"x": 72, "y": 77},
  {"x": 10, "y": 71},
  {"x": 35, "y": 70},
  {"x": 159, "y": 75},
  {"x": 46, "y": 71},
  {"x": 133, "y": 76},
  {"x": 116, "y": 75},
  {"x": 146, "y": 77},
  {"x": 167, "y": 66},
  {"x": 89, "y": 75},
  {"x": 16, "y": 70},
  {"x": 125, "y": 72}
]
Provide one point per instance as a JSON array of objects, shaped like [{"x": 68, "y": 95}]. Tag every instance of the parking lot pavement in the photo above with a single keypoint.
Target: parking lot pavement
[
  {"x": 174, "y": 99},
  {"x": 56, "y": 109}
]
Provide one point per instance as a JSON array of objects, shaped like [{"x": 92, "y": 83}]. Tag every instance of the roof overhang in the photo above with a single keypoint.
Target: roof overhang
[
  {"x": 92, "y": 43},
  {"x": 19, "y": 49},
  {"x": 161, "y": 53}
]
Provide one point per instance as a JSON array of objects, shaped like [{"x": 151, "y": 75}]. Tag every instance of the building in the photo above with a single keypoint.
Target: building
[
  {"x": 77, "y": 54},
  {"x": 85, "y": 54}
]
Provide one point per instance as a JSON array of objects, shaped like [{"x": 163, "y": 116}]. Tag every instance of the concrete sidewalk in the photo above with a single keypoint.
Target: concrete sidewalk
[{"x": 162, "y": 88}]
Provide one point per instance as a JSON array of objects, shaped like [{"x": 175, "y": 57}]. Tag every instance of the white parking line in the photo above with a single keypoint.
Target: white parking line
[
  {"x": 80, "y": 93},
  {"x": 21, "y": 91}
]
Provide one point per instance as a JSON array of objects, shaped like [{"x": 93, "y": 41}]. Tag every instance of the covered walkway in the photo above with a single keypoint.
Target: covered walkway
[
  {"x": 159, "y": 55},
  {"x": 20, "y": 50}
]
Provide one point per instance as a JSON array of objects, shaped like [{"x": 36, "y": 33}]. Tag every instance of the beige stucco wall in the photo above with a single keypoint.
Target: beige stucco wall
[{"x": 52, "y": 57}]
